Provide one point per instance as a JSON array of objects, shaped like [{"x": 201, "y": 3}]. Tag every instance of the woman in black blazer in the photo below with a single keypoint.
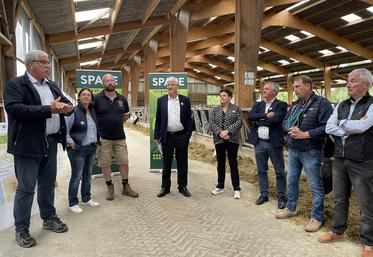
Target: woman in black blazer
[{"x": 225, "y": 123}]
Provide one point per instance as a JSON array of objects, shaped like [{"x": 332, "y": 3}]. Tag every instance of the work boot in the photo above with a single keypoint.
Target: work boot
[
  {"x": 313, "y": 225},
  {"x": 127, "y": 190},
  {"x": 110, "y": 192},
  {"x": 285, "y": 213}
]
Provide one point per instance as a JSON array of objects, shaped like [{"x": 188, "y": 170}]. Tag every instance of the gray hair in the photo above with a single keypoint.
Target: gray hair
[
  {"x": 169, "y": 79},
  {"x": 365, "y": 75},
  {"x": 33, "y": 55},
  {"x": 275, "y": 86}
]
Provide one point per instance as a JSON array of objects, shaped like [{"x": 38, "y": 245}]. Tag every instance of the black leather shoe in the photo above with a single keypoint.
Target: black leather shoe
[
  {"x": 184, "y": 191},
  {"x": 281, "y": 204},
  {"x": 262, "y": 199},
  {"x": 163, "y": 192}
]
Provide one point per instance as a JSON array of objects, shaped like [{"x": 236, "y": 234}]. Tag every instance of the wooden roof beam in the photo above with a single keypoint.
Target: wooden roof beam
[
  {"x": 285, "y": 18},
  {"x": 213, "y": 81},
  {"x": 75, "y": 26},
  {"x": 63, "y": 37},
  {"x": 149, "y": 11},
  {"x": 113, "y": 19},
  {"x": 209, "y": 72}
]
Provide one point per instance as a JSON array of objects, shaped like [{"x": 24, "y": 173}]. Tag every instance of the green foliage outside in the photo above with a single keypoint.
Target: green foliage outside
[{"x": 3, "y": 139}]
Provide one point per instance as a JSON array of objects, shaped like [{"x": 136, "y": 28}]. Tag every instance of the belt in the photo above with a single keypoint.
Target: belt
[
  {"x": 175, "y": 132},
  {"x": 265, "y": 140},
  {"x": 55, "y": 135}
]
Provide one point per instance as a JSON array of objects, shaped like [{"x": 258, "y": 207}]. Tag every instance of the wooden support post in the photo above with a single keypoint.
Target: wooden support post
[
  {"x": 261, "y": 86},
  {"x": 248, "y": 24},
  {"x": 150, "y": 66},
  {"x": 10, "y": 63},
  {"x": 135, "y": 71},
  {"x": 178, "y": 39},
  {"x": 290, "y": 81},
  {"x": 125, "y": 81},
  {"x": 328, "y": 82}
]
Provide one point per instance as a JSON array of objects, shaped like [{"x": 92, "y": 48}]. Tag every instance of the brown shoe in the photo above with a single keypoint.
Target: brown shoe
[
  {"x": 110, "y": 192},
  {"x": 367, "y": 251},
  {"x": 285, "y": 213},
  {"x": 127, "y": 190},
  {"x": 313, "y": 225},
  {"x": 332, "y": 237}
]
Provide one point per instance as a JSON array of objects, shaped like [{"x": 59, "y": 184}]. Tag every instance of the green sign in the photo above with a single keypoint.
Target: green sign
[
  {"x": 93, "y": 79},
  {"x": 158, "y": 88}
]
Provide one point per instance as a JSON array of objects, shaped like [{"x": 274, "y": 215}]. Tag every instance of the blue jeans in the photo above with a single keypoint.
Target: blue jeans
[
  {"x": 263, "y": 151},
  {"x": 310, "y": 161},
  {"x": 81, "y": 160},
  {"x": 30, "y": 170}
]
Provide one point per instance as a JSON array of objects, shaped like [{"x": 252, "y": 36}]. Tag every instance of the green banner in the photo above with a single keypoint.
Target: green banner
[
  {"x": 157, "y": 88},
  {"x": 93, "y": 79}
]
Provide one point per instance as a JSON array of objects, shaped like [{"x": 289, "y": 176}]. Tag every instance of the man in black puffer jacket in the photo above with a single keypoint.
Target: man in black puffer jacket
[{"x": 305, "y": 129}]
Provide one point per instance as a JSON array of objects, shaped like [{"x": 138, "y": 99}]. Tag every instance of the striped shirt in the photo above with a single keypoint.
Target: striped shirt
[{"x": 46, "y": 96}]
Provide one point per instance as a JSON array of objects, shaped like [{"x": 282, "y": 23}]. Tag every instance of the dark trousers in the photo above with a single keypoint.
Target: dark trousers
[
  {"x": 221, "y": 151},
  {"x": 175, "y": 143},
  {"x": 359, "y": 175},
  {"x": 263, "y": 151},
  {"x": 30, "y": 170}
]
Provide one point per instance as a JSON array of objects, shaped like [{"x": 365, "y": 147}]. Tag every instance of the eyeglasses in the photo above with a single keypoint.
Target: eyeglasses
[
  {"x": 110, "y": 81},
  {"x": 42, "y": 62}
]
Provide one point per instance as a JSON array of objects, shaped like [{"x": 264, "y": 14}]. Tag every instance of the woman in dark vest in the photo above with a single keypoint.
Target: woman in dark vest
[{"x": 82, "y": 138}]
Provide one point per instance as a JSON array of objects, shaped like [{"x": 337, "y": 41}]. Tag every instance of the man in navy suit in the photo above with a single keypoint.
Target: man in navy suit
[
  {"x": 173, "y": 128},
  {"x": 266, "y": 135}
]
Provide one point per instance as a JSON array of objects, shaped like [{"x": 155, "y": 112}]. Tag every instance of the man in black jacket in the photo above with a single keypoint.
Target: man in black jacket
[
  {"x": 267, "y": 136},
  {"x": 35, "y": 107},
  {"x": 351, "y": 125}
]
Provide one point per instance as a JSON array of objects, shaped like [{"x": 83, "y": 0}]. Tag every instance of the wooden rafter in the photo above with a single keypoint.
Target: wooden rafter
[
  {"x": 94, "y": 20},
  {"x": 63, "y": 37},
  {"x": 209, "y": 71},
  {"x": 75, "y": 26},
  {"x": 149, "y": 11},
  {"x": 196, "y": 75},
  {"x": 113, "y": 19},
  {"x": 129, "y": 41}
]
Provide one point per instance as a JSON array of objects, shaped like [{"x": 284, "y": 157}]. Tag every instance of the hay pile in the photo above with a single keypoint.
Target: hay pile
[{"x": 248, "y": 172}]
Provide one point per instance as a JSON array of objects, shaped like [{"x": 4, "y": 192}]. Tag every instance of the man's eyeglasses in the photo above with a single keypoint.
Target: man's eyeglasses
[{"x": 42, "y": 62}]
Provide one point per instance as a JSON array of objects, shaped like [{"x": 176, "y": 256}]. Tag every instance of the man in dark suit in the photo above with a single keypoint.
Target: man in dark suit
[
  {"x": 173, "y": 128},
  {"x": 266, "y": 135}
]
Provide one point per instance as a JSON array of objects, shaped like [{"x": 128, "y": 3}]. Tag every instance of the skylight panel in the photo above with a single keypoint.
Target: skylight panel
[
  {"x": 88, "y": 63},
  {"x": 91, "y": 14},
  {"x": 292, "y": 38},
  {"x": 217, "y": 77},
  {"x": 259, "y": 68},
  {"x": 341, "y": 48},
  {"x": 231, "y": 58},
  {"x": 370, "y": 9},
  {"x": 283, "y": 62},
  {"x": 296, "y": 5},
  {"x": 326, "y": 52},
  {"x": 212, "y": 66},
  {"x": 196, "y": 70},
  {"x": 306, "y": 33},
  {"x": 351, "y": 17},
  {"x": 90, "y": 45}
]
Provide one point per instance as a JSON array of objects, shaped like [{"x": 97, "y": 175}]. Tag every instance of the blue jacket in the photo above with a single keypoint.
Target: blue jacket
[
  {"x": 27, "y": 117},
  {"x": 160, "y": 130},
  {"x": 257, "y": 118},
  {"x": 313, "y": 120}
]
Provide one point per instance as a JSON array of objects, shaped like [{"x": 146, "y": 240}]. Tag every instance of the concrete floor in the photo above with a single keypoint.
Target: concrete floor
[{"x": 203, "y": 225}]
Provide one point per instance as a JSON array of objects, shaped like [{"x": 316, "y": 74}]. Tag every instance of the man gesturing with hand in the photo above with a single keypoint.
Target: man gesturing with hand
[{"x": 35, "y": 107}]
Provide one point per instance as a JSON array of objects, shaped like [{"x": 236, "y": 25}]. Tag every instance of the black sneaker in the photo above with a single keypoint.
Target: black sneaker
[
  {"x": 24, "y": 239},
  {"x": 56, "y": 225}
]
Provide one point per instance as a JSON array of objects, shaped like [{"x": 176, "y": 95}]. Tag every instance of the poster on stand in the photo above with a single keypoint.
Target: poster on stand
[{"x": 158, "y": 88}]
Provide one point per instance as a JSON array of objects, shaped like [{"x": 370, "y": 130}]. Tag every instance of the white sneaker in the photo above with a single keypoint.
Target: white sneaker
[
  {"x": 237, "y": 194},
  {"x": 217, "y": 191},
  {"x": 76, "y": 209},
  {"x": 91, "y": 203}
]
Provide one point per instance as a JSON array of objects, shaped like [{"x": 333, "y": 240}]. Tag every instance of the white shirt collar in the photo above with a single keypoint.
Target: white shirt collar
[
  {"x": 174, "y": 99},
  {"x": 34, "y": 81}
]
